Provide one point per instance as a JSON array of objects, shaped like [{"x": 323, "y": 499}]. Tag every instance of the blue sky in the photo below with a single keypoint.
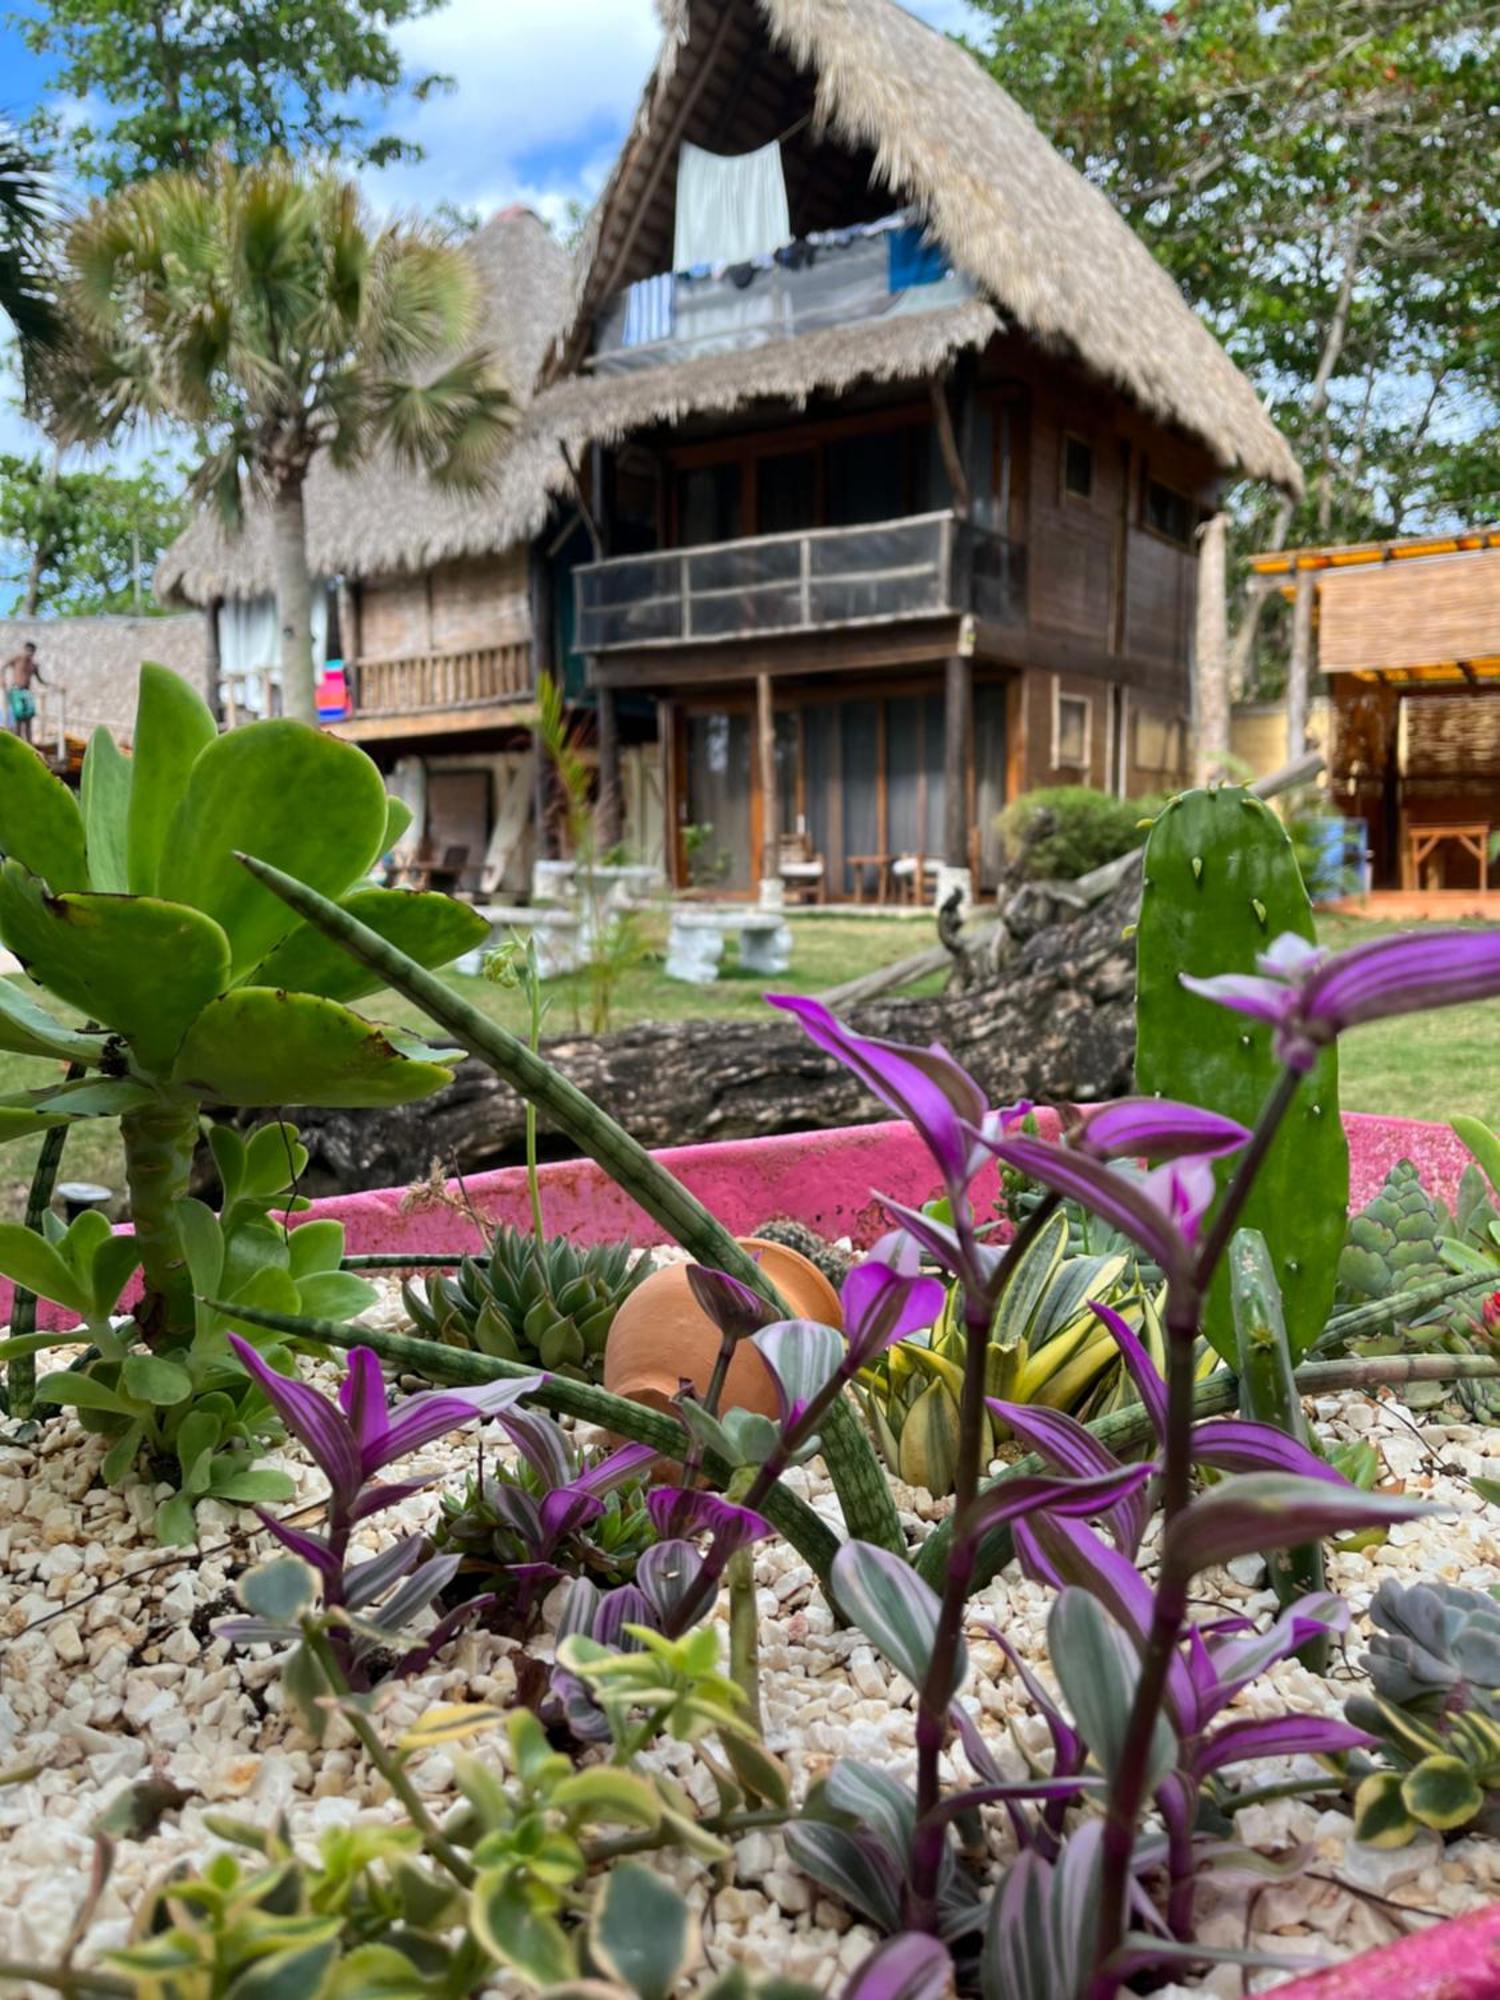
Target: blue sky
[{"x": 543, "y": 95}]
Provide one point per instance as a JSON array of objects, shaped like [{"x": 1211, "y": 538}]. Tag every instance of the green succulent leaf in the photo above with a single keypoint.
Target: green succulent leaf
[
  {"x": 260, "y": 1046},
  {"x": 515, "y": 1934},
  {"x": 431, "y": 929},
  {"x": 176, "y": 1525},
  {"x": 72, "y": 1388},
  {"x": 642, "y": 1932},
  {"x": 1442, "y": 1792},
  {"x": 173, "y": 725},
  {"x": 104, "y": 794},
  {"x": 1381, "y": 1817},
  {"x": 398, "y": 818},
  {"x": 292, "y": 1974},
  {"x": 281, "y": 1589},
  {"x": 152, "y": 1379},
  {"x": 142, "y": 966},
  {"x": 40, "y": 824},
  {"x": 83, "y": 1097},
  {"x": 26, "y": 1258},
  {"x": 28, "y": 1030},
  {"x": 287, "y": 794}
]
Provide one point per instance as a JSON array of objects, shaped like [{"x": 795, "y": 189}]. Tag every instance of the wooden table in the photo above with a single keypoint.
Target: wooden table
[
  {"x": 881, "y": 863},
  {"x": 1422, "y": 841}
]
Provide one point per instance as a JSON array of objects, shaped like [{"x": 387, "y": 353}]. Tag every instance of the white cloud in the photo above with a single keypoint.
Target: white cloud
[{"x": 544, "y": 95}]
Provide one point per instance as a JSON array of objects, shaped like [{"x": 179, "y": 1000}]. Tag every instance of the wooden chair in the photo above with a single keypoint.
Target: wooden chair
[
  {"x": 804, "y": 874},
  {"x": 911, "y": 873}
]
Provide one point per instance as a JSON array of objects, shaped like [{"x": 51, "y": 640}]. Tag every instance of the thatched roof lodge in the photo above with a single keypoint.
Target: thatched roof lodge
[{"x": 1032, "y": 377}]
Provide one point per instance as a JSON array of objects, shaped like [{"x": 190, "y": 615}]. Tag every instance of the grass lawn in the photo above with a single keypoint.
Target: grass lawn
[{"x": 1428, "y": 1067}]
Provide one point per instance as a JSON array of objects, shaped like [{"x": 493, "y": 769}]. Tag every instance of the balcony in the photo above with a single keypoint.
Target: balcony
[{"x": 929, "y": 566}]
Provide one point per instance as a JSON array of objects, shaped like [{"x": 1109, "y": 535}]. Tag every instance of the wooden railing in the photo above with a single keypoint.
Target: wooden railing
[
  {"x": 921, "y": 567},
  {"x": 464, "y": 677}
]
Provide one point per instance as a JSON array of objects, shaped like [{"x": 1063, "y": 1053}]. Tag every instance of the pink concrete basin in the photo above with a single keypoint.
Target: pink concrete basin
[{"x": 1456, "y": 1960}]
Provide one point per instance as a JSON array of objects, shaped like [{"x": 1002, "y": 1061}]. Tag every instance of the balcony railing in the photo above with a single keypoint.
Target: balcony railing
[
  {"x": 463, "y": 677},
  {"x": 930, "y": 565}
]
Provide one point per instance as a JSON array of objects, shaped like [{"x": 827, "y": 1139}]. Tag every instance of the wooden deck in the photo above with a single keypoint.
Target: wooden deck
[{"x": 1406, "y": 906}]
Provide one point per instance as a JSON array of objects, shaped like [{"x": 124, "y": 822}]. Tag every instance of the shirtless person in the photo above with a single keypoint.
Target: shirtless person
[{"x": 21, "y": 674}]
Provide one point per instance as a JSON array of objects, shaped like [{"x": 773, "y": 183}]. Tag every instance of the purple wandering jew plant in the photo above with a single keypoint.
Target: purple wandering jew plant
[
  {"x": 363, "y": 1608},
  {"x": 1145, "y": 1686}
]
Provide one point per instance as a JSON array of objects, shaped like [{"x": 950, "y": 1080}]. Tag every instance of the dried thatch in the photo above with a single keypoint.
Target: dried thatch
[
  {"x": 1043, "y": 244},
  {"x": 383, "y": 518}
]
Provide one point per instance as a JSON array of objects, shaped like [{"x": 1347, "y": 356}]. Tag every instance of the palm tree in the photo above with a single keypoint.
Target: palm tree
[
  {"x": 263, "y": 308},
  {"x": 27, "y": 211}
]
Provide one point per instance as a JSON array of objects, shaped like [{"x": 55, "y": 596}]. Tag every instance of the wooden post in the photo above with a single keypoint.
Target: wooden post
[
  {"x": 1211, "y": 666},
  {"x": 947, "y": 437},
  {"x": 212, "y": 663},
  {"x": 608, "y": 817},
  {"x": 770, "y": 806},
  {"x": 958, "y": 710},
  {"x": 1299, "y": 667}
]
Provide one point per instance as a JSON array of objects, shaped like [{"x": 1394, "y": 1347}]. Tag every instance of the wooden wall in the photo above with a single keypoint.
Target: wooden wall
[{"x": 482, "y": 601}]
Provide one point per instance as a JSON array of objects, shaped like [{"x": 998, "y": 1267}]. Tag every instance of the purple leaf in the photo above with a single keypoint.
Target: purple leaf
[
  {"x": 895, "y": 1609},
  {"x": 678, "y": 1511},
  {"x": 362, "y": 1398},
  {"x": 1143, "y": 1370},
  {"x": 1277, "y": 1736},
  {"x": 1019, "y": 1789},
  {"x": 911, "y": 1966},
  {"x": 1272, "y": 1510},
  {"x": 1040, "y": 1493},
  {"x": 1156, "y": 1128},
  {"x": 735, "y": 1310},
  {"x": 254, "y": 1632},
  {"x": 1235, "y": 1444},
  {"x": 1150, "y": 1209},
  {"x": 886, "y": 1297},
  {"x": 565, "y": 1512},
  {"x": 1236, "y": 1661},
  {"x": 437, "y": 1411},
  {"x": 621, "y": 1466},
  {"x": 544, "y": 1445},
  {"x": 367, "y": 1580},
  {"x": 926, "y": 1087},
  {"x": 938, "y": 1239},
  {"x": 1053, "y": 1434},
  {"x": 321, "y": 1426},
  {"x": 665, "y": 1576},
  {"x": 311, "y": 1548},
  {"x": 417, "y": 1592},
  {"x": 803, "y": 1356},
  {"x": 625, "y": 1605},
  {"x": 375, "y": 1498}
]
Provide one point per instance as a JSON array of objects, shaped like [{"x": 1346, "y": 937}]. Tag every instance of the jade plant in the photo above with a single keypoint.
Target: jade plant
[
  {"x": 1434, "y": 1665},
  {"x": 198, "y": 989}
]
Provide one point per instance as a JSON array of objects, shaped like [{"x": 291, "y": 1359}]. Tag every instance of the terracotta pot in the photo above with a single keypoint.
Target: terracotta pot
[{"x": 661, "y": 1337}]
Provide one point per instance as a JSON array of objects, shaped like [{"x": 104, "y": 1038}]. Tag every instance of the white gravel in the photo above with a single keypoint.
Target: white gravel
[{"x": 109, "y": 1669}]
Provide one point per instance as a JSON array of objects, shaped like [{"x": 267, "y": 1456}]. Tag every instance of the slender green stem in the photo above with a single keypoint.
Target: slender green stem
[
  {"x": 20, "y": 1380},
  {"x": 390, "y": 1767},
  {"x": 159, "y": 1142},
  {"x": 1289, "y": 1788},
  {"x": 864, "y": 1492},
  {"x": 66, "y": 1980},
  {"x": 730, "y": 1824}
]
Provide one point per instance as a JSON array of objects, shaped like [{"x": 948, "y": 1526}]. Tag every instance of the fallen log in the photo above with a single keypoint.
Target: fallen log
[{"x": 1061, "y": 1027}]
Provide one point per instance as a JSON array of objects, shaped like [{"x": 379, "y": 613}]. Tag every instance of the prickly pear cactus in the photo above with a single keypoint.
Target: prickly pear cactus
[{"x": 1220, "y": 884}]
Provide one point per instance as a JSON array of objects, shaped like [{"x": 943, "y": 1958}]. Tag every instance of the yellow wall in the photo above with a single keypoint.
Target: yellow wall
[{"x": 1257, "y": 737}]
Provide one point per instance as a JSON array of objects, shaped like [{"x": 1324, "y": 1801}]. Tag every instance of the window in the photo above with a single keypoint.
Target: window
[
  {"x": 1169, "y": 513},
  {"x": 1077, "y": 468},
  {"x": 1158, "y": 743},
  {"x": 1071, "y": 716}
]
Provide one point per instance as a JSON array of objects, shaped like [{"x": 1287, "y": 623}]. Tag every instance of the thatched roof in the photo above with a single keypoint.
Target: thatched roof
[
  {"x": 383, "y": 518},
  {"x": 940, "y": 134}
]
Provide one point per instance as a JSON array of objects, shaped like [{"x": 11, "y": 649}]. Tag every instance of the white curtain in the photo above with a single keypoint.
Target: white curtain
[
  {"x": 408, "y": 782},
  {"x": 729, "y": 209},
  {"x": 250, "y": 647}
]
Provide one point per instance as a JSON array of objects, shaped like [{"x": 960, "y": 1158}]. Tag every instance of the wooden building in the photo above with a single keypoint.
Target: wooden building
[
  {"x": 863, "y": 473},
  {"x": 1408, "y": 635},
  {"x": 888, "y": 546}
]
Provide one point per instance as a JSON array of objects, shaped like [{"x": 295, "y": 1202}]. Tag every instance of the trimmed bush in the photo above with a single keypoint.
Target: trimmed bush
[{"x": 1088, "y": 828}]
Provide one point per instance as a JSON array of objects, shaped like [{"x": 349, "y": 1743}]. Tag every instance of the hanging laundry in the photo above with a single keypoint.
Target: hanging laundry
[
  {"x": 915, "y": 259},
  {"x": 729, "y": 209},
  {"x": 649, "y": 311}
]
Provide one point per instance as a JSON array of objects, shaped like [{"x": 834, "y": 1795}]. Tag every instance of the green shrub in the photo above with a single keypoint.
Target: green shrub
[{"x": 1088, "y": 829}]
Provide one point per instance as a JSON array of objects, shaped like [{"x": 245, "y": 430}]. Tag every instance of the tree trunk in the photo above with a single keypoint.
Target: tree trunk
[
  {"x": 299, "y": 696},
  {"x": 1058, "y": 1023},
  {"x": 1299, "y": 667},
  {"x": 1211, "y": 680}
]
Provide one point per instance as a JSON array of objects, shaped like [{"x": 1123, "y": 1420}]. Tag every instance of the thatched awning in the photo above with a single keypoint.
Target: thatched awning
[{"x": 382, "y": 521}]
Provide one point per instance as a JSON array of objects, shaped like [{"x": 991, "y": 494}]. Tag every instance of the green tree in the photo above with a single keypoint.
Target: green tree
[
  {"x": 180, "y": 81},
  {"x": 1318, "y": 177},
  {"x": 27, "y": 213},
  {"x": 264, "y": 311},
  {"x": 86, "y": 541}
]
